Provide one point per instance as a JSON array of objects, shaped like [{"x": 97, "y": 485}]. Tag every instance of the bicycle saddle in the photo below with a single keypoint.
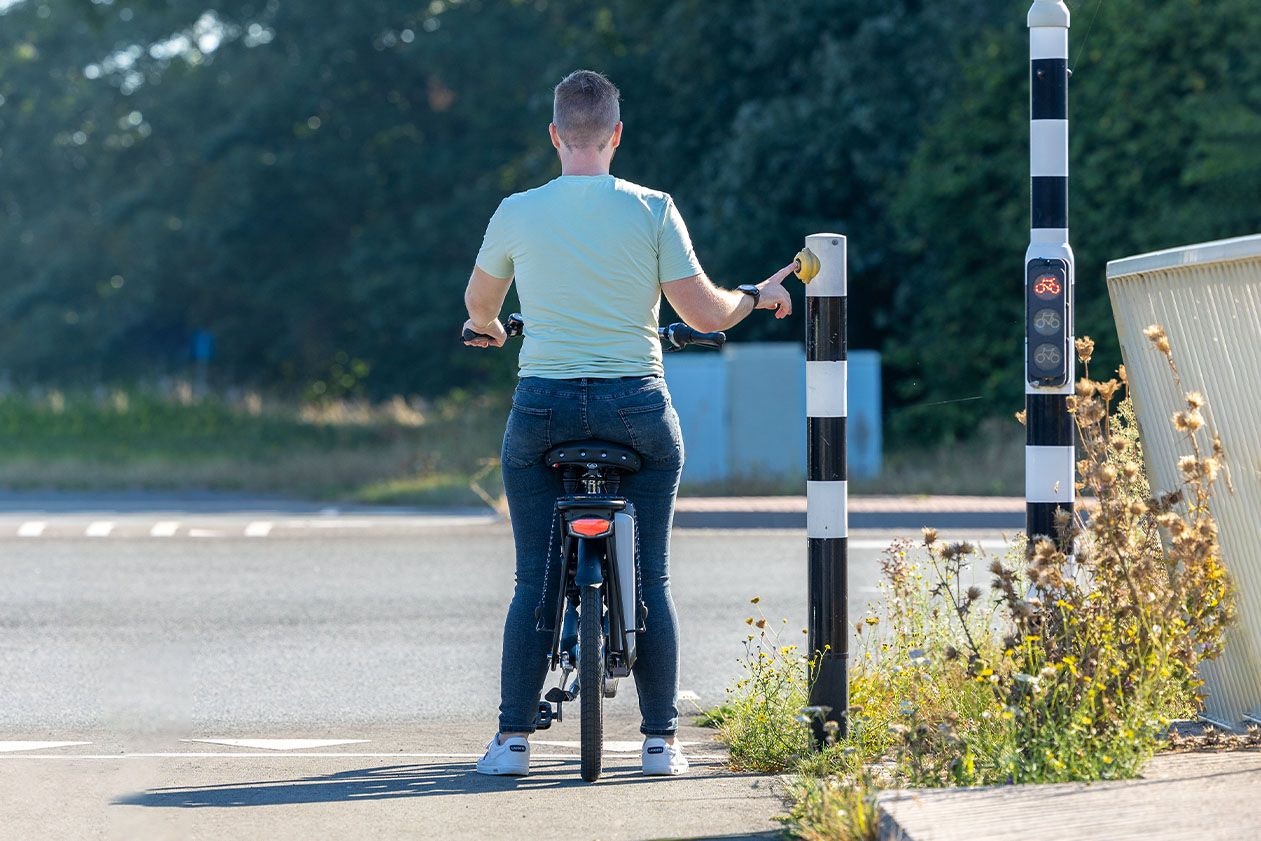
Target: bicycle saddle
[{"x": 602, "y": 453}]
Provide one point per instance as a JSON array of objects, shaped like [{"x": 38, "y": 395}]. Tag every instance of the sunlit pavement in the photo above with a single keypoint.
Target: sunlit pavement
[{"x": 182, "y": 671}]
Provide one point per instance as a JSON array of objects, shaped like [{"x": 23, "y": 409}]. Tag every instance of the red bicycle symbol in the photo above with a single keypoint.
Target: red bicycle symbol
[{"x": 1047, "y": 286}]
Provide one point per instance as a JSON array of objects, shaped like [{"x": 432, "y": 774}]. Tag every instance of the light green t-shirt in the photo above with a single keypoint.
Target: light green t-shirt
[{"x": 589, "y": 254}]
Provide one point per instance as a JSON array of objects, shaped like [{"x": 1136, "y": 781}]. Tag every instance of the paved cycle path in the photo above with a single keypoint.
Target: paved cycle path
[
  {"x": 383, "y": 787},
  {"x": 328, "y": 679}
]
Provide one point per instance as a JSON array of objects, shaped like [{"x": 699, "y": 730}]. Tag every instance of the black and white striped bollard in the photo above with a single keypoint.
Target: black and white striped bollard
[
  {"x": 1049, "y": 365},
  {"x": 827, "y": 518}
]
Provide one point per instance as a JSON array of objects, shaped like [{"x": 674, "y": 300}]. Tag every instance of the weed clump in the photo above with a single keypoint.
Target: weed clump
[
  {"x": 1071, "y": 664},
  {"x": 770, "y": 695}
]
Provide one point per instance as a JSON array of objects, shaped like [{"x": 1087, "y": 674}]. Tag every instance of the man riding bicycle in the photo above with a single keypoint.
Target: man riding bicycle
[{"x": 591, "y": 256}]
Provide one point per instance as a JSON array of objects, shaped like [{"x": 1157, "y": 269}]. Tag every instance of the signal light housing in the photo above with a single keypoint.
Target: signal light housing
[{"x": 1047, "y": 327}]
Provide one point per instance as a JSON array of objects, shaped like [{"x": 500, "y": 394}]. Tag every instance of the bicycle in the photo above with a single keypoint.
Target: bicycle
[{"x": 597, "y": 614}]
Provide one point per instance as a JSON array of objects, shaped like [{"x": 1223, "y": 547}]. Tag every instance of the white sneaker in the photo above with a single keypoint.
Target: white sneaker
[
  {"x": 663, "y": 759},
  {"x": 510, "y": 758}
]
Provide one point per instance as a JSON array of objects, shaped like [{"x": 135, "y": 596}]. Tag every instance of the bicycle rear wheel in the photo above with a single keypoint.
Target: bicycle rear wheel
[{"x": 591, "y": 680}]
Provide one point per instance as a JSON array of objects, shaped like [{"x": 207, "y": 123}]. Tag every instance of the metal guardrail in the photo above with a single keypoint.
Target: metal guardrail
[{"x": 1208, "y": 298}]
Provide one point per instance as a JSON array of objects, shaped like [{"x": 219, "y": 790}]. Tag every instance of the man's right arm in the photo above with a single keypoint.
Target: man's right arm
[{"x": 705, "y": 307}]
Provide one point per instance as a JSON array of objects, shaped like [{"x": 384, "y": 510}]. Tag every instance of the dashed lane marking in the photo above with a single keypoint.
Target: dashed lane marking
[
  {"x": 204, "y": 533},
  {"x": 10, "y": 747},
  {"x": 279, "y": 744},
  {"x": 261, "y": 528},
  {"x": 695, "y": 757},
  {"x": 32, "y": 529},
  {"x": 101, "y": 528},
  {"x": 166, "y": 528}
]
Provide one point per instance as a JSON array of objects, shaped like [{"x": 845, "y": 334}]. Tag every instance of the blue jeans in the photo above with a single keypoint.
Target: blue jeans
[{"x": 634, "y": 411}]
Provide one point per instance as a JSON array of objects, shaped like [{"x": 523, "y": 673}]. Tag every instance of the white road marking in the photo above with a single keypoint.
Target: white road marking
[
  {"x": 876, "y": 543},
  {"x": 259, "y": 529},
  {"x": 101, "y": 528},
  {"x": 204, "y": 533},
  {"x": 279, "y": 744},
  {"x": 609, "y": 747},
  {"x": 166, "y": 528},
  {"x": 32, "y": 529},
  {"x": 696, "y": 757},
  {"x": 10, "y": 747},
  {"x": 688, "y": 695},
  {"x": 328, "y": 524}
]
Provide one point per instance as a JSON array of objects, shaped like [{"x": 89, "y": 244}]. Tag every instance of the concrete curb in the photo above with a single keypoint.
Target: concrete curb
[{"x": 1206, "y": 796}]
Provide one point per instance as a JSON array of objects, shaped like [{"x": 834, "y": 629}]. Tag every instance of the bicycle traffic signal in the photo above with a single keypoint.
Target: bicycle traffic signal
[{"x": 1047, "y": 328}]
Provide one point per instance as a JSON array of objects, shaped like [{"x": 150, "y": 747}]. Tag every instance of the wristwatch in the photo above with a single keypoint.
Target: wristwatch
[{"x": 752, "y": 291}]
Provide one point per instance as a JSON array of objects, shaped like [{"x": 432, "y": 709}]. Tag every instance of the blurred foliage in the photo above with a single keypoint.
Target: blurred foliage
[{"x": 309, "y": 181}]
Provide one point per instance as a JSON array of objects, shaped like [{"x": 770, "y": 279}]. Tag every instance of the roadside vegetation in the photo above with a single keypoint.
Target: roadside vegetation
[
  {"x": 402, "y": 451},
  {"x": 1068, "y": 667}
]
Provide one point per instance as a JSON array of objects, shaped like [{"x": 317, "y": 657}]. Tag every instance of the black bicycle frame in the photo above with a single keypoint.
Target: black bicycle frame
[{"x": 592, "y": 561}]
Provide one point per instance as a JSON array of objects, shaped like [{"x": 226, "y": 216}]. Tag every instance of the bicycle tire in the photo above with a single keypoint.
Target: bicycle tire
[{"x": 591, "y": 680}]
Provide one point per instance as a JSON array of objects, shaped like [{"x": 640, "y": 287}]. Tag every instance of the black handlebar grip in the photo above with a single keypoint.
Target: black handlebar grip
[
  {"x": 678, "y": 336},
  {"x": 514, "y": 326}
]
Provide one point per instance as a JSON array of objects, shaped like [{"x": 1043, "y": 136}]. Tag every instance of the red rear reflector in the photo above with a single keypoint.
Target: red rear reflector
[{"x": 590, "y": 526}]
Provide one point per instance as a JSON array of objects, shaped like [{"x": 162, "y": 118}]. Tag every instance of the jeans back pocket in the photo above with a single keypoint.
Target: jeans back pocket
[
  {"x": 527, "y": 437},
  {"x": 654, "y": 432}
]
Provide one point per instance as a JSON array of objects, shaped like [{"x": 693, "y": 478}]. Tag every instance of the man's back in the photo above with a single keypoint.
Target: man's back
[{"x": 589, "y": 253}]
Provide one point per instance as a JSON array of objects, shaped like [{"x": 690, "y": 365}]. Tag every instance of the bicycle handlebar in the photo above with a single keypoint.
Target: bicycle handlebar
[
  {"x": 514, "y": 326},
  {"x": 673, "y": 337},
  {"x": 678, "y": 335}
]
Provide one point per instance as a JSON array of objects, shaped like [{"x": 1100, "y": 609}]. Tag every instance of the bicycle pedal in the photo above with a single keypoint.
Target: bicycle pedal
[
  {"x": 546, "y": 716},
  {"x": 557, "y": 695},
  {"x": 610, "y": 688}
]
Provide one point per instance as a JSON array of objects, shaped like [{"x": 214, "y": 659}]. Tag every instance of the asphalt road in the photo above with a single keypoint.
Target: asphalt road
[{"x": 157, "y": 644}]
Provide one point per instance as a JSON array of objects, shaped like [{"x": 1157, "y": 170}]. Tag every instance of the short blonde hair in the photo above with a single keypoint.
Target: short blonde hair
[{"x": 586, "y": 109}]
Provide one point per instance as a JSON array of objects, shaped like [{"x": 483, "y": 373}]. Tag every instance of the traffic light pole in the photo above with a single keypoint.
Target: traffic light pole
[
  {"x": 822, "y": 266},
  {"x": 1049, "y": 367}
]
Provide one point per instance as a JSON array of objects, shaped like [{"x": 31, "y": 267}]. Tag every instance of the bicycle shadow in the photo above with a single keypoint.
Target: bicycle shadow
[{"x": 383, "y": 783}]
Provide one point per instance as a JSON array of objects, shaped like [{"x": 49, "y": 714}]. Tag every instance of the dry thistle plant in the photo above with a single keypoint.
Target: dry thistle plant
[
  {"x": 1098, "y": 634},
  {"x": 1107, "y": 641},
  {"x": 1072, "y": 670}
]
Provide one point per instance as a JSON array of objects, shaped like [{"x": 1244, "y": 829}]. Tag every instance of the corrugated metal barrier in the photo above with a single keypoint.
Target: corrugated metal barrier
[{"x": 1208, "y": 297}]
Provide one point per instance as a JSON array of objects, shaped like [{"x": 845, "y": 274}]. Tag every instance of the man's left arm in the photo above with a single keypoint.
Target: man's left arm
[{"x": 484, "y": 298}]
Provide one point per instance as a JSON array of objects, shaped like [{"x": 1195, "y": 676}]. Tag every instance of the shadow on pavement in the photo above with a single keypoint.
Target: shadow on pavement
[{"x": 383, "y": 783}]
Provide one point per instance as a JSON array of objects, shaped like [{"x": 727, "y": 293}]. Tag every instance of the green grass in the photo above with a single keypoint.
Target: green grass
[
  {"x": 396, "y": 452},
  {"x": 400, "y": 452},
  {"x": 991, "y": 463}
]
